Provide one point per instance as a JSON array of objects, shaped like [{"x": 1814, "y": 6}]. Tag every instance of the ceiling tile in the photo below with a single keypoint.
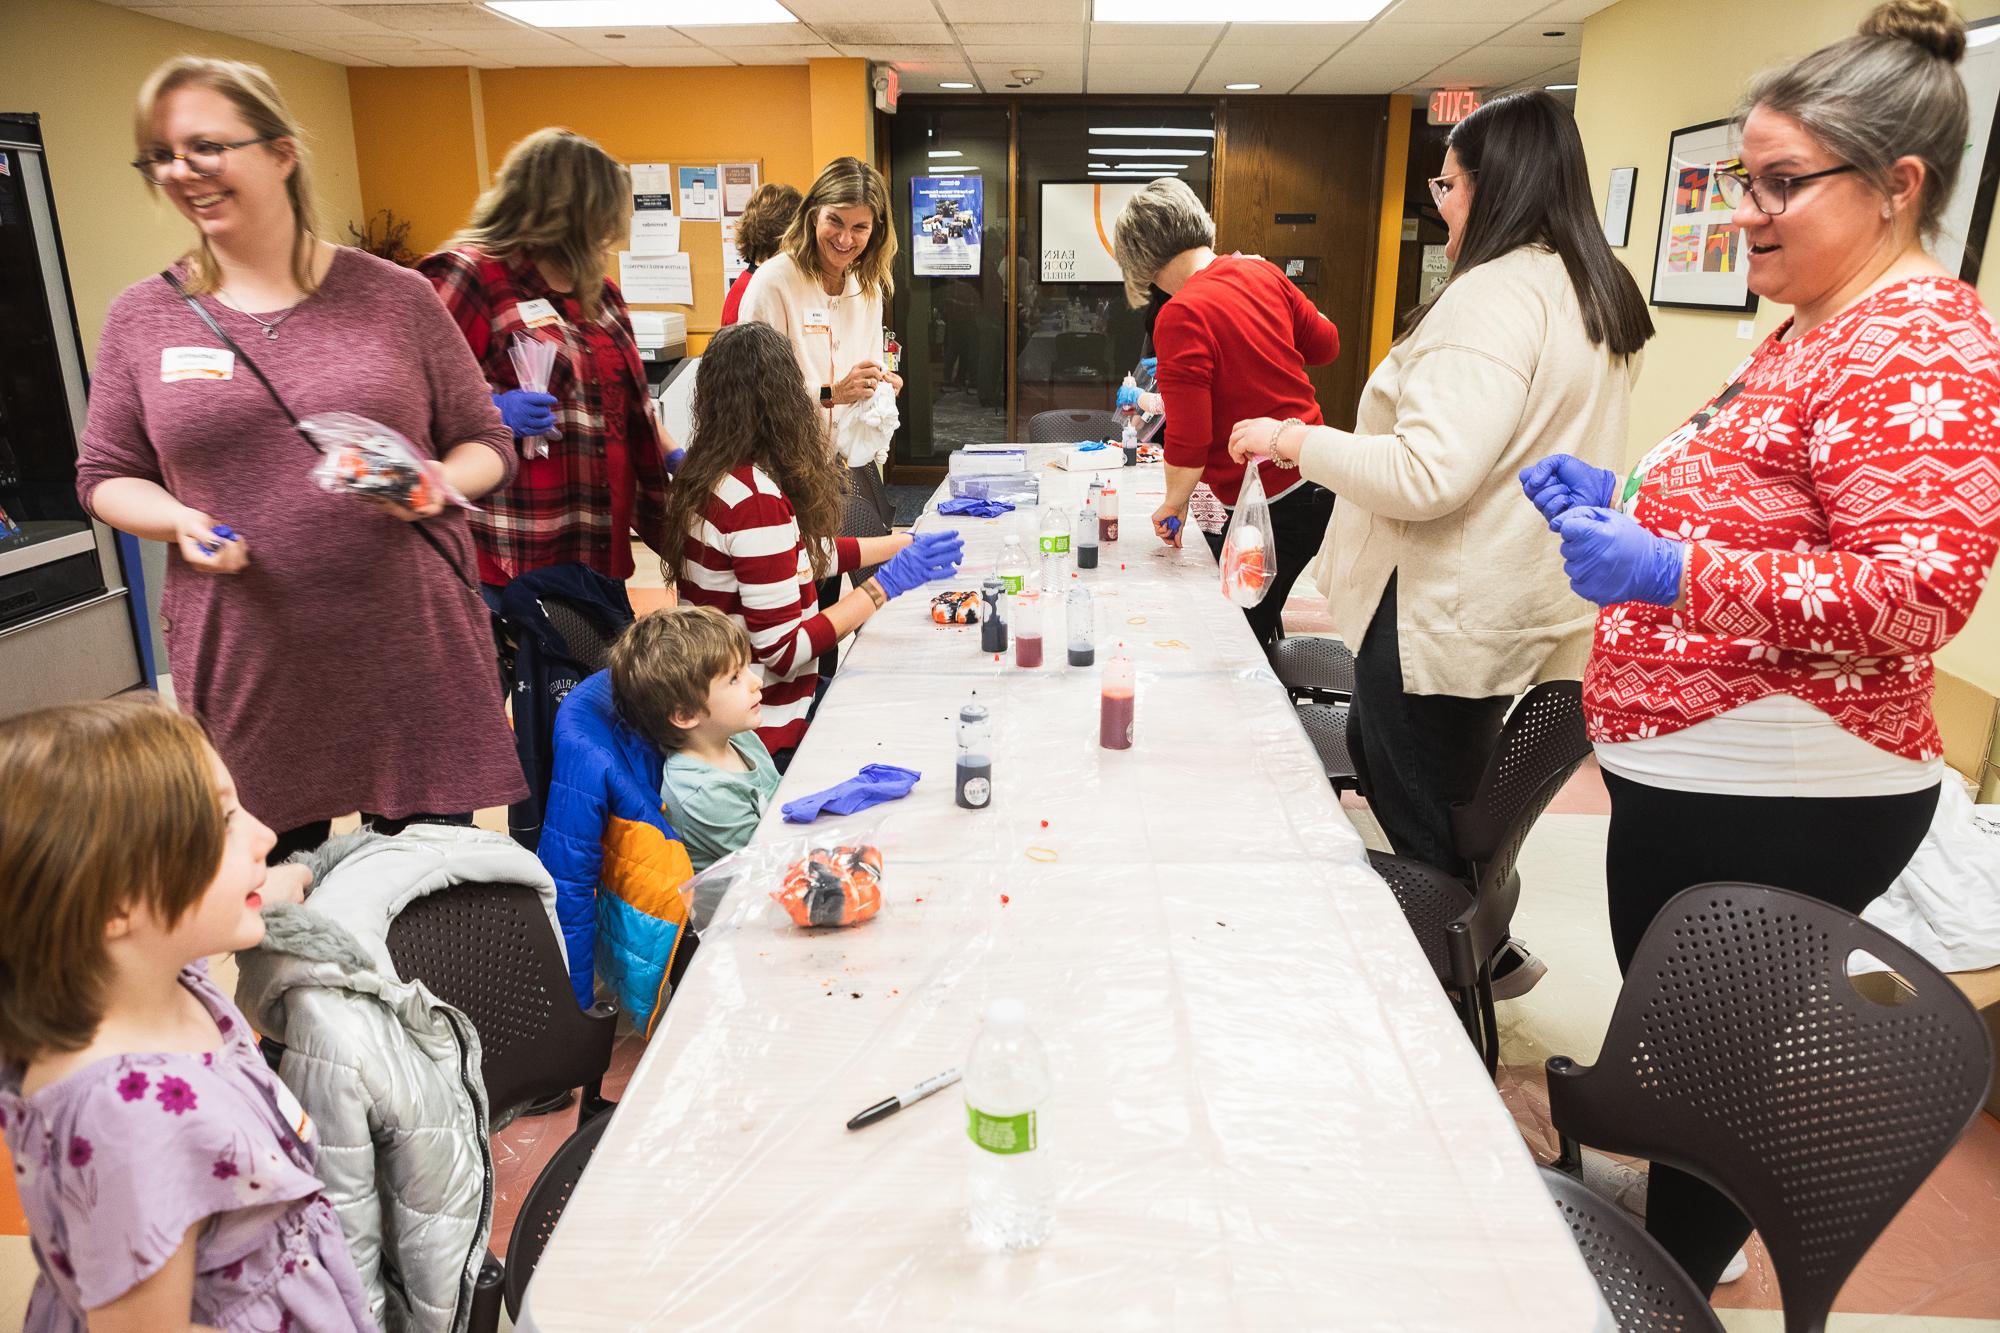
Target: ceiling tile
[
  {"x": 1373, "y": 73},
  {"x": 1445, "y": 36},
  {"x": 1057, "y": 77},
  {"x": 293, "y": 18},
  {"x": 906, "y": 56},
  {"x": 419, "y": 58},
  {"x": 863, "y": 11},
  {"x": 481, "y": 39},
  {"x": 419, "y": 18},
  {"x": 777, "y": 55},
  {"x": 992, "y": 35},
  {"x": 286, "y": 41},
  {"x": 661, "y": 57},
  {"x": 651, "y": 39},
  {"x": 378, "y": 41},
  {"x": 841, "y": 33},
  {"x": 1490, "y": 66},
  {"x": 1154, "y": 34},
  {"x": 751, "y": 34},
  {"x": 1532, "y": 33},
  {"x": 1502, "y": 12},
  {"x": 1038, "y": 55},
  {"x": 960, "y": 12},
  {"x": 1144, "y": 69},
  {"x": 1277, "y": 68},
  {"x": 1324, "y": 36},
  {"x": 1574, "y": 11},
  {"x": 186, "y": 16}
]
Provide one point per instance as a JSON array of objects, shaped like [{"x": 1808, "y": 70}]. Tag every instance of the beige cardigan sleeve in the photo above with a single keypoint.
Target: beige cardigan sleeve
[{"x": 1463, "y": 392}]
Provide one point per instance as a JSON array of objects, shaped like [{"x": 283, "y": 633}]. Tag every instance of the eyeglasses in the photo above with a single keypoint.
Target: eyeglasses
[
  {"x": 203, "y": 158},
  {"x": 1769, "y": 193},
  {"x": 1444, "y": 185}
]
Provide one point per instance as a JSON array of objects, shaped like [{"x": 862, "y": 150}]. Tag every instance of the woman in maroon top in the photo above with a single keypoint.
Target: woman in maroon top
[
  {"x": 1233, "y": 340},
  {"x": 532, "y": 263},
  {"x": 759, "y": 234},
  {"x": 337, "y": 662}
]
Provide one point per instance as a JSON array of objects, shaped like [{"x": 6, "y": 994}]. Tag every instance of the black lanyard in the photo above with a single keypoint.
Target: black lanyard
[{"x": 292, "y": 417}]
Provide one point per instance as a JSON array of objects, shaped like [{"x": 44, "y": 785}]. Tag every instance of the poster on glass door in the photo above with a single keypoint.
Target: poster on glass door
[
  {"x": 946, "y": 213},
  {"x": 1077, "y": 224}
]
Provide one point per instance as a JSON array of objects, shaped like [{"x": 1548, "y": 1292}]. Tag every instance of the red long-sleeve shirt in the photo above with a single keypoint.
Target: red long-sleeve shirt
[{"x": 1234, "y": 343}]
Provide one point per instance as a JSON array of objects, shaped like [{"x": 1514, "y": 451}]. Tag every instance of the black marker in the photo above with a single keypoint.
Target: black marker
[{"x": 883, "y": 1110}]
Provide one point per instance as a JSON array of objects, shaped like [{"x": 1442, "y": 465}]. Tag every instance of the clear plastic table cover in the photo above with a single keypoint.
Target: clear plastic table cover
[{"x": 1265, "y": 1113}]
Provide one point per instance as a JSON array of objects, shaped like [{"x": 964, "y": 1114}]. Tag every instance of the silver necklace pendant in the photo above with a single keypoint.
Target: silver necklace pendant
[{"x": 270, "y": 333}]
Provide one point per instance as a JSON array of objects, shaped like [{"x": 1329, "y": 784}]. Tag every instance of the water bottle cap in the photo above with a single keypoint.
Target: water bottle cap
[{"x": 1006, "y": 1013}]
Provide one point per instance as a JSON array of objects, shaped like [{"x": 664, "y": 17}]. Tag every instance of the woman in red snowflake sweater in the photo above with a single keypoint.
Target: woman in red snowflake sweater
[{"x": 1776, "y": 574}]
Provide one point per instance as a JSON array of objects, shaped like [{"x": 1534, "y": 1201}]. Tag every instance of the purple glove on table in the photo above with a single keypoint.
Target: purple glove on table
[
  {"x": 1562, "y": 482},
  {"x": 931, "y": 557},
  {"x": 966, "y": 504},
  {"x": 1611, "y": 559},
  {"x": 526, "y": 412},
  {"x": 874, "y": 784}
]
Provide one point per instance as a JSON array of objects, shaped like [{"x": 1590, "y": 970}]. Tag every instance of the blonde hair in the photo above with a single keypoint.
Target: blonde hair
[
  {"x": 665, "y": 662},
  {"x": 557, "y": 196},
  {"x": 1163, "y": 220},
  {"x": 103, "y": 807},
  {"x": 1890, "y": 91},
  {"x": 257, "y": 100},
  {"x": 845, "y": 182}
]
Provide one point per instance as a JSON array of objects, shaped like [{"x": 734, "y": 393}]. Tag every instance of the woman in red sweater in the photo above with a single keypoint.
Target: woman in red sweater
[
  {"x": 759, "y": 234},
  {"x": 1233, "y": 340},
  {"x": 1777, "y": 573}
]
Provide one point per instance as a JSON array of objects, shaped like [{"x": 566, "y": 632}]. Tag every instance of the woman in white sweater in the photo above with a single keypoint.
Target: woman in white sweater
[{"x": 1447, "y": 592}]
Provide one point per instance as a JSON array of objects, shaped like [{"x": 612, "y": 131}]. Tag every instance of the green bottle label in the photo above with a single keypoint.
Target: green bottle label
[
  {"x": 1055, "y": 545},
  {"x": 1003, "y": 1134},
  {"x": 1012, "y": 583}
]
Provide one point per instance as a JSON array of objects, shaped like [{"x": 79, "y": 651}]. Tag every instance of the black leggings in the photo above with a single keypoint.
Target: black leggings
[
  {"x": 1844, "y": 850},
  {"x": 308, "y": 836},
  {"x": 1298, "y": 526}
]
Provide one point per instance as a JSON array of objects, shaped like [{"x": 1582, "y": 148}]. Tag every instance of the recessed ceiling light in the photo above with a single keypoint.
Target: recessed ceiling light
[
  {"x": 1162, "y": 131},
  {"x": 1148, "y": 151},
  {"x": 1983, "y": 36},
  {"x": 1236, "y": 11},
  {"x": 946, "y": 152},
  {"x": 1560, "y": 87},
  {"x": 641, "y": 13},
  {"x": 1242, "y": 87},
  {"x": 954, "y": 85},
  {"x": 1100, "y": 166}
]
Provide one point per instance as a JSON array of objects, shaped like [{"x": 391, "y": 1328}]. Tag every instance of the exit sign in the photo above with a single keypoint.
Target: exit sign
[{"x": 1451, "y": 105}]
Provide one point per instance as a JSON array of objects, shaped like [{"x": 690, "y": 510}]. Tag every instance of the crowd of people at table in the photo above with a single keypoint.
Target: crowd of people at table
[{"x": 1752, "y": 609}]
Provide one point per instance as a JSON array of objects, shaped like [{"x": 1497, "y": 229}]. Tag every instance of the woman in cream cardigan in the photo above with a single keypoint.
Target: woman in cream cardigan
[{"x": 1446, "y": 589}]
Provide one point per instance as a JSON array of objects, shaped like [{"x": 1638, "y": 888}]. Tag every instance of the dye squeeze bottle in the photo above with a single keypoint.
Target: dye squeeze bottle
[
  {"x": 992, "y": 615},
  {"x": 1114, "y": 723},
  {"x": 1107, "y": 514},
  {"x": 1086, "y": 537},
  {"x": 1028, "y": 629},
  {"x": 1007, "y": 1084},
  {"x": 1082, "y": 628},
  {"x": 1013, "y": 565},
  {"x": 1129, "y": 441},
  {"x": 975, "y": 757}
]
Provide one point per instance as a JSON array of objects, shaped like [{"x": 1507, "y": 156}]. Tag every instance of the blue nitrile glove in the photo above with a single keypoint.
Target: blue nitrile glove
[
  {"x": 1563, "y": 482},
  {"x": 1128, "y": 398},
  {"x": 1611, "y": 559},
  {"x": 932, "y": 556},
  {"x": 873, "y": 785},
  {"x": 1149, "y": 365},
  {"x": 675, "y": 457},
  {"x": 526, "y": 412},
  {"x": 966, "y": 504}
]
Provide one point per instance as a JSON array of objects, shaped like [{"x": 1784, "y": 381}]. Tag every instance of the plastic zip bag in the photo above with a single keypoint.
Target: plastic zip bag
[
  {"x": 534, "y": 361},
  {"x": 829, "y": 877},
  {"x": 1247, "y": 549},
  {"x": 366, "y": 458}
]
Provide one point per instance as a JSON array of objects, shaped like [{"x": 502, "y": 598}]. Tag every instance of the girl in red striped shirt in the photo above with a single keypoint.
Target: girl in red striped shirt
[{"x": 759, "y": 500}]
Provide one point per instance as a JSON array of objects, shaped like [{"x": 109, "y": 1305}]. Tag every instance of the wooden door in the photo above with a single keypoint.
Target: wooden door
[{"x": 1316, "y": 163}]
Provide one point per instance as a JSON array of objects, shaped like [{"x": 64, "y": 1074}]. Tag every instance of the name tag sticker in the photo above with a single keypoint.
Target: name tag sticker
[
  {"x": 196, "y": 363},
  {"x": 537, "y": 314},
  {"x": 818, "y": 321}
]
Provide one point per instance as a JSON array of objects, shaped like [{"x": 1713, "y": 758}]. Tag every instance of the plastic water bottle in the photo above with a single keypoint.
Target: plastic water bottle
[
  {"x": 1013, "y": 565},
  {"x": 1055, "y": 532},
  {"x": 1006, "y": 1086}
]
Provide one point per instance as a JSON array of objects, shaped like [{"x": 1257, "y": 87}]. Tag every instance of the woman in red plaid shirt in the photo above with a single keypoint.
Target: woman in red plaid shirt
[{"x": 532, "y": 263}]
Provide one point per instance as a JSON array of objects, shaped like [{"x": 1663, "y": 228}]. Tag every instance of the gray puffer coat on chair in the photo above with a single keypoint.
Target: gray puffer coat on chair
[{"x": 389, "y": 1072}]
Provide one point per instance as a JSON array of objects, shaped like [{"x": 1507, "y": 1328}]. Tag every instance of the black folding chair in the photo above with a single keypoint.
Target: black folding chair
[
  {"x": 1326, "y": 728},
  {"x": 1314, "y": 669},
  {"x": 543, "y": 1208},
  {"x": 1743, "y": 1053},
  {"x": 1072, "y": 425},
  {"x": 1644, "y": 1287},
  {"x": 1460, "y": 920}
]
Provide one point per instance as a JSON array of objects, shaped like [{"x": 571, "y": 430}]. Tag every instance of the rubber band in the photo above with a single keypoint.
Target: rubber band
[
  {"x": 1174, "y": 644},
  {"x": 1047, "y": 854},
  {"x": 1136, "y": 620}
]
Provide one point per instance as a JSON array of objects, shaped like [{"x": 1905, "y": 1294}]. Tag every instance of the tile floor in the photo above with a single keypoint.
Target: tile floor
[{"x": 1936, "y": 1270}]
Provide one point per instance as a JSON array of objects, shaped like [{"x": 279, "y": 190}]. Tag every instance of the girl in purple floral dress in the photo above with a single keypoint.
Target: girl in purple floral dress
[{"x": 167, "y": 1175}]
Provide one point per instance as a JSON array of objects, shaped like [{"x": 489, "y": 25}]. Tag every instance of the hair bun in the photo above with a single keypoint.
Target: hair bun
[{"x": 1932, "y": 24}]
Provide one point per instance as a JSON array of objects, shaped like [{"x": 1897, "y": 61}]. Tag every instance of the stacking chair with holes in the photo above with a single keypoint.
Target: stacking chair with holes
[
  {"x": 1460, "y": 919},
  {"x": 1314, "y": 669},
  {"x": 563, "y": 621},
  {"x": 1326, "y": 728},
  {"x": 1072, "y": 425},
  {"x": 1742, "y": 1052},
  {"x": 543, "y": 1208}
]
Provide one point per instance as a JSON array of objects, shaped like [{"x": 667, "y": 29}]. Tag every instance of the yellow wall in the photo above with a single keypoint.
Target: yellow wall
[
  {"x": 80, "y": 64},
  {"x": 428, "y": 179},
  {"x": 1652, "y": 66}
]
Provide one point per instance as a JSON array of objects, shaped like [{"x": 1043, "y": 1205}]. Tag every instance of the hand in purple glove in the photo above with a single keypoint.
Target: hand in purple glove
[
  {"x": 1611, "y": 559},
  {"x": 526, "y": 412},
  {"x": 930, "y": 557},
  {"x": 1562, "y": 482},
  {"x": 675, "y": 457}
]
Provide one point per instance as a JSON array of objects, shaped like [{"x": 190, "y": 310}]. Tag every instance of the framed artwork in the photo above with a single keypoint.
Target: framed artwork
[
  {"x": 1700, "y": 262},
  {"x": 1618, "y": 206}
]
